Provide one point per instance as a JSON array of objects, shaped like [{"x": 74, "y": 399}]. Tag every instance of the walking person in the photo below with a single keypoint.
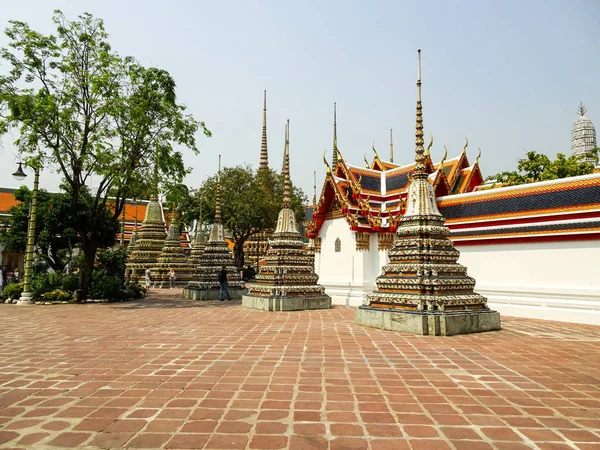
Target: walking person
[
  {"x": 172, "y": 278},
  {"x": 148, "y": 279},
  {"x": 223, "y": 286}
]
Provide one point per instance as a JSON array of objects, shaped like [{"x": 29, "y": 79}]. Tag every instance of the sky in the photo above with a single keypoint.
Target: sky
[{"x": 508, "y": 75}]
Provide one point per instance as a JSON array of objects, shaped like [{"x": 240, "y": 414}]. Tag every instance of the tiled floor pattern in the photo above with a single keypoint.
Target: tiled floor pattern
[{"x": 165, "y": 372}]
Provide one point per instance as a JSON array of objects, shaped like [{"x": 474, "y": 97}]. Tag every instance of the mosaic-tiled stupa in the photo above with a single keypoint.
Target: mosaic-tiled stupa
[
  {"x": 172, "y": 257},
  {"x": 149, "y": 242},
  {"x": 423, "y": 290},
  {"x": 198, "y": 244},
  {"x": 287, "y": 282},
  {"x": 205, "y": 282}
]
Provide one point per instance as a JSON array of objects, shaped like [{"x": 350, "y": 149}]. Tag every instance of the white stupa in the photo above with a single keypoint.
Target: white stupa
[{"x": 583, "y": 136}]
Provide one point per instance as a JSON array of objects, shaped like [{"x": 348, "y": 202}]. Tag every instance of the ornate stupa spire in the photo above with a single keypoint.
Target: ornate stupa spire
[
  {"x": 287, "y": 185},
  {"x": 334, "y": 159},
  {"x": 287, "y": 282},
  {"x": 218, "y": 195},
  {"x": 391, "y": 147},
  {"x": 285, "y": 145},
  {"x": 420, "y": 169},
  {"x": 264, "y": 153},
  {"x": 423, "y": 289},
  {"x": 205, "y": 283}
]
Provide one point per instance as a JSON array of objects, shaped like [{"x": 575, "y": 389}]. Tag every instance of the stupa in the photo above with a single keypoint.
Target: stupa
[
  {"x": 198, "y": 244},
  {"x": 172, "y": 257},
  {"x": 205, "y": 283},
  {"x": 287, "y": 282},
  {"x": 423, "y": 290},
  {"x": 583, "y": 136},
  {"x": 149, "y": 242}
]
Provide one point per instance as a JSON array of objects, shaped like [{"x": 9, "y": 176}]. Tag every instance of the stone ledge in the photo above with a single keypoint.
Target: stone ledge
[
  {"x": 211, "y": 294},
  {"x": 278, "y": 303},
  {"x": 425, "y": 323}
]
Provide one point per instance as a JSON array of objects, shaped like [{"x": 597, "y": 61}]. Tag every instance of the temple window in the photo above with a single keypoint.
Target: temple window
[{"x": 338, "y": 245}]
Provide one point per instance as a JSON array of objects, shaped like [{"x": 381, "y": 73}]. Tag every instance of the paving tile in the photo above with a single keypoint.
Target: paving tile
[
  {"x": 149, "y": 440},
  {"x": 227, "y": 441},
  {"x": 188, "y": 441},
  {"x": 111, "y": 440},
  {"x": 69, "y": 439},
  {"x": 6, "y": 436},
  {"x": 264, "y": 442}
]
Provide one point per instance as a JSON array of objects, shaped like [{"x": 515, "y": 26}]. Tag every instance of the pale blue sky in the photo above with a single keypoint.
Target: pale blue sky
[{"x": 509, "y": 74}]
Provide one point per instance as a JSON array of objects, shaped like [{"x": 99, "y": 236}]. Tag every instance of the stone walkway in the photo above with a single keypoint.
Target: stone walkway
[{"x": 164, "y": 372}]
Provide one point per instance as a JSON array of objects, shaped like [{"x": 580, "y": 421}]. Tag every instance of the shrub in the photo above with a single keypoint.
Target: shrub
[
  {"x": 69, "y": 282},
  {"x": 113, "y": 261},
  {"x": 137, "y": 290},
  {"x": 13, "y": 290},
  {"x": 44, "y": 282},
  {"x": 105, "y": 286},
  {"x": 57, "y": 295}
]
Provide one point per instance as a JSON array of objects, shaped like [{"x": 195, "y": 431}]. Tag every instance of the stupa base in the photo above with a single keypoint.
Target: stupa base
[
  {"x": 211, "y": 294},
  {"x": 429, "y": 323},
  {"x": 279, "y": 303}
]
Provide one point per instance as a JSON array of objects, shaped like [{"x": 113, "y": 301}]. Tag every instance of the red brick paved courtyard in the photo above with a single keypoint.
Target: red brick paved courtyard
[{"x": 165, "y": 372}]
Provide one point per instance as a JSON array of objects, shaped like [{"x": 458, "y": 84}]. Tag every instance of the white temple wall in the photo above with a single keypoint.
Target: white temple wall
[
  {"x": 349, "y": 275},
  {"x": 544, "y": 280}
]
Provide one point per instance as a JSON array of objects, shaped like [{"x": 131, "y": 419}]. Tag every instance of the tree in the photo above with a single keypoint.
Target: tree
[
  {"x": 55, "y": 235},
  {"x": 74, "y": 100},
  {"x": 250, "y": 203},
  {"x": 538, "y": 167}
]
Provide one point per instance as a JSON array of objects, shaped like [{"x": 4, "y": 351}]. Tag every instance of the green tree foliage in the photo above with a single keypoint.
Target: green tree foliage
[
  {"x": 71, "y": 98},
  {"x": 538, "y": 167},
  {"x": 55, "y": 233},
  {"x": 250, "y": 203}
]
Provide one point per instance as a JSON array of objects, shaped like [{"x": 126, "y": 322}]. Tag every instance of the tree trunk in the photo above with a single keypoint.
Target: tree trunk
[
  {"x": 238, "y": 252},
  {"x": 89, "y": 258}
]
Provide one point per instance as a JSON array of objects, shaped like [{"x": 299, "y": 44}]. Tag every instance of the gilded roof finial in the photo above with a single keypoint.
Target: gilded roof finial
[
  {"x": 264, "y": 154},
  {"x": 366, "y": 161},
  {"x": 464, "y": 150},
  {"x": 218, "y": 196},
  {"x": 315, "y": 190},
  {"x": 374, "y": 151},
  {"x": 287, "y": 186},
  {"x": 335, "y": 156},
  {"x": 325, "y": 161},
  {"x": 339, "y": 154},
  {"x": 391, "y": 147},
  {"x": 420, "y": 171},
  {"x": 441, "y": 167},
  {"x": 478, "y": 156},
  {"x": 427, "y": 153},
  {"x": 582, "y": 109}
]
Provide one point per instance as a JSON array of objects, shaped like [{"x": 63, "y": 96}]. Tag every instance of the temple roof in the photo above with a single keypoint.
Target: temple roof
[{"x": 372, "y": 198}]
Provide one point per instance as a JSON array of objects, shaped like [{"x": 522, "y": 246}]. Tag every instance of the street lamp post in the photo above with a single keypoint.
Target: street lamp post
[{"x": 27, "y": 295}]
